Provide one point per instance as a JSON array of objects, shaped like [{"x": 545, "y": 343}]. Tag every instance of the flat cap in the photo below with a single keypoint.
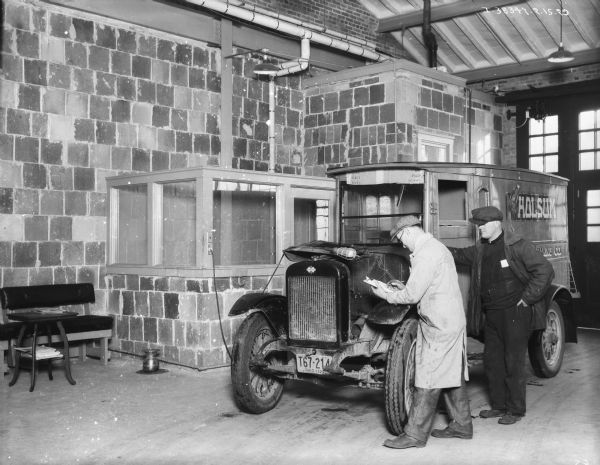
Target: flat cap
[
  {"x": 411, "y": 219},
  {"x": 485, "y": 215}
]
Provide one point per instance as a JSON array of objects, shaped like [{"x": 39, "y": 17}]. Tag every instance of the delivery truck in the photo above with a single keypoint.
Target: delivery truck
[{"x": 329, "y": 327}]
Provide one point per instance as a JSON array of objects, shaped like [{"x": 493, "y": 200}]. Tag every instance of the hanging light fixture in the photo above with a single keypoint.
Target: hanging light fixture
[{"x": 561, "y": 55}]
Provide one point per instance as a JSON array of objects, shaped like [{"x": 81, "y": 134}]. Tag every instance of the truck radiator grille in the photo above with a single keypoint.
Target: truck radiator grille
[{"x": 312, "y": 308}]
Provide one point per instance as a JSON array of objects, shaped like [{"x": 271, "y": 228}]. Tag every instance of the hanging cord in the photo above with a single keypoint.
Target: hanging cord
[
  {"x": 273, "y": 274},
  {"x": 218, "y": 306}
]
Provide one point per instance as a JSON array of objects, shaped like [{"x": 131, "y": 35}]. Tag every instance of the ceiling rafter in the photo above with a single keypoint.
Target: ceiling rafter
[
  {"x": 441, "y": 13},
  {"x": 540, "y": 65}
]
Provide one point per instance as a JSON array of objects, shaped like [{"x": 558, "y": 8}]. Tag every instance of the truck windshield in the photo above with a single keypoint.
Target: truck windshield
[{"x": 368, "y": 212}]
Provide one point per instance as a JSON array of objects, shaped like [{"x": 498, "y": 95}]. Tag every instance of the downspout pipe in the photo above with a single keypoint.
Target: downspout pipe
[
  {"x": 312, "y": 27},
  {"x": 289, "y": 67},
  {"x": 288, "y": 28}
]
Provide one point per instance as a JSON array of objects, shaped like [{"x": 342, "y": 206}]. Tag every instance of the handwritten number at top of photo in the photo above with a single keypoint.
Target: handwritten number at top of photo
[{"x": 519, "y": 10}]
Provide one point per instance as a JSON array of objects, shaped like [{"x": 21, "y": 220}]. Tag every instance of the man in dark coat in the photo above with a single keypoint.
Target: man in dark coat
[{"x": 509, "y": 279}]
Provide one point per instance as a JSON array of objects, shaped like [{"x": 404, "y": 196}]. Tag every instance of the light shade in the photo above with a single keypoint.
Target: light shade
[
  {"x": 561, "y": 55},
  {"x": 266, "y": 69}
]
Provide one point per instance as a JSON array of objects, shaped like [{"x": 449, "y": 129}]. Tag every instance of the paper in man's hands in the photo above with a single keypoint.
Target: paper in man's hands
[{"x": 378, "y": 284}]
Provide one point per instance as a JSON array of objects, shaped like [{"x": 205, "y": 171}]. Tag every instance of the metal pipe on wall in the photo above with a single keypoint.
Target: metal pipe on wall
[{"x": 289, "y": 28}]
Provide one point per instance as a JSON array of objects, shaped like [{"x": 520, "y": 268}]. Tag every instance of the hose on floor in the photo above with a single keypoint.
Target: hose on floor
[{"x": 212, "y": 256}]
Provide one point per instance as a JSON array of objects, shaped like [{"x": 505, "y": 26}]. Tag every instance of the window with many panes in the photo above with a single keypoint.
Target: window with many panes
[
  {"x": 543, "y": 144},
  {"x": 593, "y": 215},
  {"x": 183, "y": 222},
  {"x": 589, "y": 140}
]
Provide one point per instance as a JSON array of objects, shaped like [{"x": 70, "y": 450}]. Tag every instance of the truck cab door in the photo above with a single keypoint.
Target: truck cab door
[{"x": 449, "y": 208}]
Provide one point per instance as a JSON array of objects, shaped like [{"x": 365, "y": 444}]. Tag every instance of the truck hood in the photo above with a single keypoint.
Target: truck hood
[{"x": 316, "y": 249}]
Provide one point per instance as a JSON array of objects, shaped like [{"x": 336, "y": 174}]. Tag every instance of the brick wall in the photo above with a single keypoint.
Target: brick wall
[
  {"x": 378, "y": 117},
  {"x": 83, "y": 98},
  {"x": 343, "y": 16},
  {"x": 251, "y": 114}
]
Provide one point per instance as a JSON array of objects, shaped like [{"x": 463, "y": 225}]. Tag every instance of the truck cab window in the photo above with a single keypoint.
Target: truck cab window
[
  {"x": 452, "y": 199},
  {"x": 369, "y": 212}
]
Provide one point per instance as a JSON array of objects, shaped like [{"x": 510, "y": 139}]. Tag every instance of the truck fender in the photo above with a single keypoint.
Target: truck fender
[
  {"x": 272, "y": 306},
  {"x": 387, "y": 314},
  {"x": 561, "y": 295}
]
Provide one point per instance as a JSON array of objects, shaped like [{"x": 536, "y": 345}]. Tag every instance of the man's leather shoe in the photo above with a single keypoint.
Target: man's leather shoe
[
  {"x": 451, "y": 433},
  {"x": 403, "y": 442},
  {"x": 509, "y": 419},
  {"x": 491, "y": 413}
]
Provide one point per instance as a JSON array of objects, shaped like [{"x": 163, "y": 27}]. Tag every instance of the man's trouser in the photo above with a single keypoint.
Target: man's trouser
[
  {"x": 422, "y": 412},
  {"x": 506, "y": 336}
]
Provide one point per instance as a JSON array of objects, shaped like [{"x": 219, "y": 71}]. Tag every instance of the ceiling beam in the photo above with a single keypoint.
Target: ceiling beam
[
  {"x": 441, "y": 13},
  {"x": 529, "y": 67},
  {"x": 562, "y": 90}
]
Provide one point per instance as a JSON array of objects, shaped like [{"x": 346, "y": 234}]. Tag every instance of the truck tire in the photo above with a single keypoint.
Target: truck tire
[
  {"x": 400, "y": 375},
  {"x": 253, "y": 391},
  {"x": 547, "y": 346}
]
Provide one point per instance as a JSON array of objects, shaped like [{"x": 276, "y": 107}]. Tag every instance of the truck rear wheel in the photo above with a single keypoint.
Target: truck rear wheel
[
  {"x": 400, "y": 375},
  {"x": 547, "y": 346},
  {"x": 253, "y": 391}
]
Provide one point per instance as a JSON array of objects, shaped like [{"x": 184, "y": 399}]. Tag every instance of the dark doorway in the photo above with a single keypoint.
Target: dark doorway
[{"x": 578, "y": 110}]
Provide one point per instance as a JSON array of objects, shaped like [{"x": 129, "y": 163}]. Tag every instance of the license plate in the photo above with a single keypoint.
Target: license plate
[{"x": 312, "y": 363}]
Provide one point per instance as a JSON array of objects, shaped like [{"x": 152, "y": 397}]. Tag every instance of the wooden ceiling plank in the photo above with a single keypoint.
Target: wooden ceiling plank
[
  {"x": 414, "y": 47},
  {"x": 523, "y": 27},
  {"x": 492, "y": 25},
  {"x": 582, "y": 29},
  {"x": 441, "y": 13},
  {"x": 477, "y": 38},
  {"x": 455, "y": 44},
  {"x": 530, "y": 67}
]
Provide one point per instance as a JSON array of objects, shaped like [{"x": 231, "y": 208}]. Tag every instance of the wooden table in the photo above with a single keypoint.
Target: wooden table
[{"x": 31, "y": 321}]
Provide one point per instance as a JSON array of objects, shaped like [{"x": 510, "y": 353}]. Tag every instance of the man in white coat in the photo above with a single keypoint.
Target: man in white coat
[{"x": 441, "y": 356}]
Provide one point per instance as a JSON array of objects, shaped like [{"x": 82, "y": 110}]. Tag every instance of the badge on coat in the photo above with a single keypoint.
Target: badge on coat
[{"x": 504, "y": 263}]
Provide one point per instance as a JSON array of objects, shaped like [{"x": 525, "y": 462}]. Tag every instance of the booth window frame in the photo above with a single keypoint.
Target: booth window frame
[{"x": 287, "y": 189}]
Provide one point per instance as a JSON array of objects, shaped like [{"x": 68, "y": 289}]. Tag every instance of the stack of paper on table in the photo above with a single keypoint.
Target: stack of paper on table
[{"x": 41, "y": 352}]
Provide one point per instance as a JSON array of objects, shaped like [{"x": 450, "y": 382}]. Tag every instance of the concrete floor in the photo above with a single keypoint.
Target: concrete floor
[{"x": 115, "y": 415}]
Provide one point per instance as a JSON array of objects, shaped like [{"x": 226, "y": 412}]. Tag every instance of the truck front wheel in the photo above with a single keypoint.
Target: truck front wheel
[
  {"x": 253, "y": 391},
  {"x": 400, "y": 375},
  {"x": 547, "y": 346}
]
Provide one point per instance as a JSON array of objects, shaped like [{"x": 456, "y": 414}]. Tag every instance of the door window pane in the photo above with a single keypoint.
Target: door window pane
[
  {"x": 132, "y": 225},
  {"x": 536, "y": 163},
  {"x": 551, "y": 124},
  {"x": 586, "y": 119},
  {"x": 593, "y": 234},
  {"x": 551, "y": 164},
  {"x": 536, "y": 127},
  {"x": 551, "y": 143},
  {"x": 589, "y": 139},
  {"x": 593, "y": 215},
  {"x": 593, "y": 198},
  {"x": 586, "y": 161},
  {"x": 543, "y": 144},
  {"x": 179, "y": 223},
  {"x": 536, "y": 145},
  {"x": 244, "y": 223},
  {"x": 586, "y": 140}
]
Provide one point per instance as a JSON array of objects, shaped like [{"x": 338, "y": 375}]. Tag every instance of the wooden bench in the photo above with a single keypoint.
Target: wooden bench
[{"x": 86, "y": 329}]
